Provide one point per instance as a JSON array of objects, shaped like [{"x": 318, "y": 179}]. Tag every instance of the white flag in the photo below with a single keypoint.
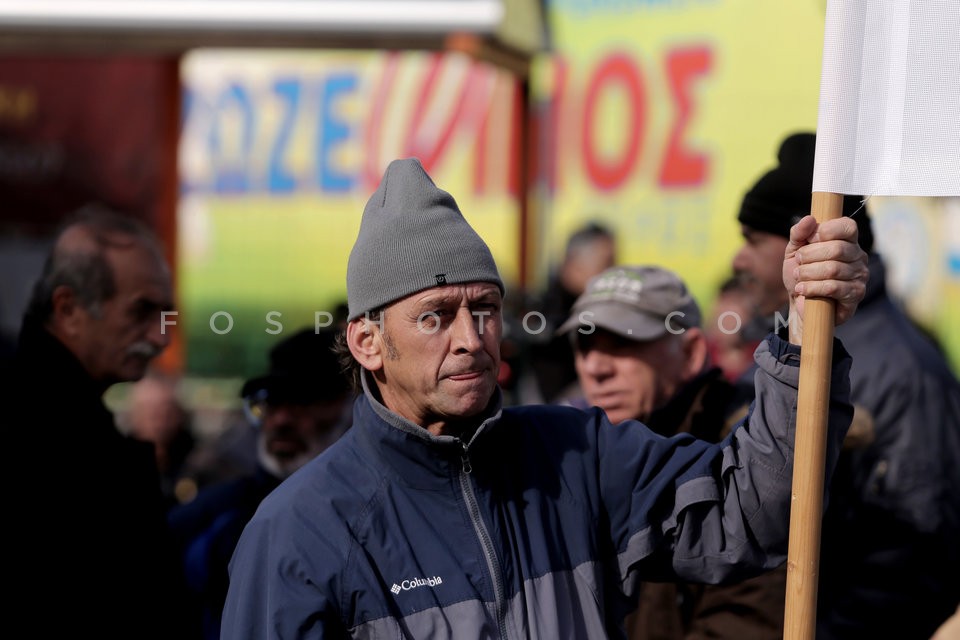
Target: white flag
[{"x": 889, "y": 119}]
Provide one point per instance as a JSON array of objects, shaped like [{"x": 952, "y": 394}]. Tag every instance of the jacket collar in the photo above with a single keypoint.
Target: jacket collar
[
  {"x": 417, "y": 456},
  {"x": 39, "y": 351},
  {"x": 677, "y": 415},
  {"x": 44, "y": 364}
]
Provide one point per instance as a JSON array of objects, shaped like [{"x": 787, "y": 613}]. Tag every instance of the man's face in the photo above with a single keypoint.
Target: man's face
[
  {"x": 117, "y": 344},
  {"x": 760, "y": 263},
  {"x": 729, "y": 348},
  {"x": 626, "y": 378},
  {"x": 155, "y": 414},
  {"x": 293, "y": 433},
  {"x": 586, "y": 263},
  {"x": 441, "y": 353}
]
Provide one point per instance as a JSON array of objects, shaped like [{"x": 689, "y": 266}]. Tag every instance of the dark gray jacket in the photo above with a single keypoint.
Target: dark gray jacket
[{"x": 891, "y": 537}]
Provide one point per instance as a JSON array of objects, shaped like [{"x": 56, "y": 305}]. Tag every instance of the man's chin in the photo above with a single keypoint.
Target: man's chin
[
  {"x": 284, "y": 466},
  {"x": 479, "y": 398},
  {"x": 134, "y": 369},
  {"x": 616, "y": 415},
  {"x": 284, "y": 453}
]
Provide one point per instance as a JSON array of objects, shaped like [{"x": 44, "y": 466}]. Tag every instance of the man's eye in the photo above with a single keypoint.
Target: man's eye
[
  {"x": 144, "y": 311},
  {"x": 430, "y": 317}
]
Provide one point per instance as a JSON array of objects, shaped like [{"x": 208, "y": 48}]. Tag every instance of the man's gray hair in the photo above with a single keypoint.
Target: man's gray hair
[{"x": 87, "y": 272}]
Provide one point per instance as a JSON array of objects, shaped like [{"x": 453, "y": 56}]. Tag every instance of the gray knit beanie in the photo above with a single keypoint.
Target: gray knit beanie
[{"x": 412, "y": 237}]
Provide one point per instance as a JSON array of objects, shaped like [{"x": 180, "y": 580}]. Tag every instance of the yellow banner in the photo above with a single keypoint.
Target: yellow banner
[{"x": 279, "y": 153}]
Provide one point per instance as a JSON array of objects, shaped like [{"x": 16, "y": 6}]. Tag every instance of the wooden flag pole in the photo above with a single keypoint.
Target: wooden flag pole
[{"x": 806, "y": 509}]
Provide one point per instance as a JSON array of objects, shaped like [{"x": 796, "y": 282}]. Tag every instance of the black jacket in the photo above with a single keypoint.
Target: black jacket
[{"x": 87, "y": 553}]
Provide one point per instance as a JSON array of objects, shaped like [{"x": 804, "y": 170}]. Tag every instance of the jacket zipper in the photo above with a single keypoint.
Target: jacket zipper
[{"x": 485, "y": 540}]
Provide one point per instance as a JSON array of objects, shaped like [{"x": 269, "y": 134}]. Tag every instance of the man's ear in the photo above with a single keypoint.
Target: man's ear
[
  {"x": 695, "y": 351},
  {"x": 66, "y": 317},
  {"x": 365, "y": 343}
]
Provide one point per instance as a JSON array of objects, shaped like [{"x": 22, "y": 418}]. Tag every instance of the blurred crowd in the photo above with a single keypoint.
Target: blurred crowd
[{"x": 154, "y": 507}]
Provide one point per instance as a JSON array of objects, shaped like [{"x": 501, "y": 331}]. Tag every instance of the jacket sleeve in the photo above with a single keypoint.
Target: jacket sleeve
[
  {"x": 683, "y": 509},
  {"x": 270, "y": 596}
]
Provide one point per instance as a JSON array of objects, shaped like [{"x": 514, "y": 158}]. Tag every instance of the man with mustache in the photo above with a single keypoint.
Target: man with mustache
[
  {"x": 443, "y": 514},
  {"x": 88, "y": 552}
]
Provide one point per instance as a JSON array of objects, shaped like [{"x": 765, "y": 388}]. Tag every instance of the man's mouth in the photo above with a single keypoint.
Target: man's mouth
[
  {"x": 284, "y": 446},
  {"x": 468, "y": 375}
]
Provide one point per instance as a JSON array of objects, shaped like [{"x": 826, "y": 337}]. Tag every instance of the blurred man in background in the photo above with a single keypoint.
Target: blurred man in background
[
  {"x": 889, "y": 559},
  {"x": 88, "y": 553},
  {"x": 301, "y": 406},
  {"x": 734, "y": 330},
  {"x": 641, "y": 354},
  {"x": 589, "y": 250}
]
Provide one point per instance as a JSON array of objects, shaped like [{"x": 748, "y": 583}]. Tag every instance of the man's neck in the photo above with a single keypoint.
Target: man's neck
[
  {"x": 464, "y": 428},
  {"x": 100, "y": 385}
]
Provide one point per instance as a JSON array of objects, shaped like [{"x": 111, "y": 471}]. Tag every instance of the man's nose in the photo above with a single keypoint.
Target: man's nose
[
  {"x": 597, "y": 364},
  {"x": 276, "y": 416},
  {"x": 159, "y": 335},
  {"x": 466, "y": 332},
  {"x": 740, "y": 262}
]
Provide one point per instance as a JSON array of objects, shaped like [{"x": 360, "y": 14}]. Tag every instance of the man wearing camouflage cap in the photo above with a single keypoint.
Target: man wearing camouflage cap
[{"x": 442, "y": 514}]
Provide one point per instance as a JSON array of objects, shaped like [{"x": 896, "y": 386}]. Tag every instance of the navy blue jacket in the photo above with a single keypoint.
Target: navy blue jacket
[
  {"x": 540, "y": 526},
  {"x": 206, "y": 531}
]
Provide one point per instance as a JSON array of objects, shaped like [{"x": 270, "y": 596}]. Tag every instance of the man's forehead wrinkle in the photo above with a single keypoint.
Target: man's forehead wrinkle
[
  {"x": 442, "y": 297},
  {"x": 457, "y": 293}
]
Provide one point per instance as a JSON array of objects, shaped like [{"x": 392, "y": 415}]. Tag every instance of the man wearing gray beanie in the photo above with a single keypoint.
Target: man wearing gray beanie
[
  {"x": 412, "y": 237},
  {"x": 443, "y": 514},
  {"x": 889, "y": 556}
]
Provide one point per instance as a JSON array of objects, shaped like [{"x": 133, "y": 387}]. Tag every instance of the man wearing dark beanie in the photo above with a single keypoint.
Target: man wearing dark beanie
[
  {"x": 889, "y": 557},
  {"x": 779, "y": 199},
  {"x": 443, "y": 514},
  {"x": 782, "y": 195}
]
